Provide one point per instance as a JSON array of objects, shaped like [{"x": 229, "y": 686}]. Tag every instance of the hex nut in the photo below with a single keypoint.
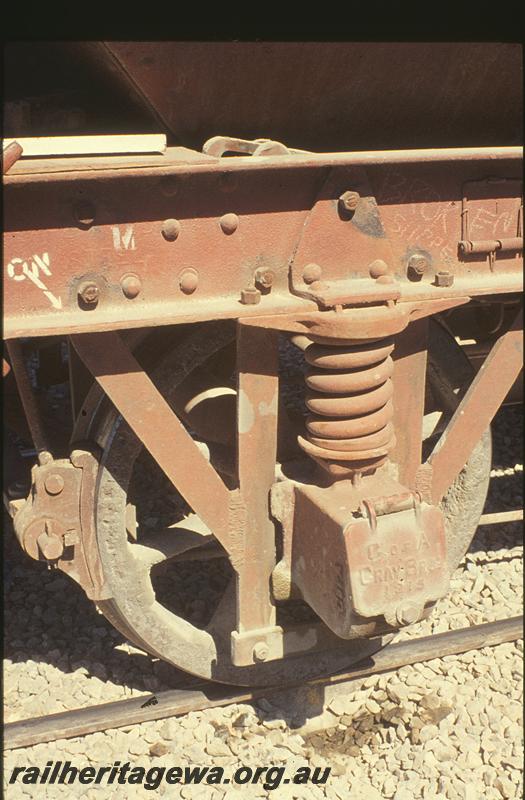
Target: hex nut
[
  {"x": 348, "y": 201},
  {"x": 88, "y": 292},
  {"x": 229, "y": 223},
  {"x": 264, "y": 278},
  {"x": 312, "y": 273},
  {"x": 250, "y": 296},
  {"x": 377, "y": 268},
  {"x": 188, "y": 280},
  {"x": 170, "y": 229},
  {"x": 131, "y": 286},
  {"x": 260, "y": 652},
  {"x": 408, "y": 614},
  {"x": 444, "y": 278},
  {"x": 54, "y": 483}
]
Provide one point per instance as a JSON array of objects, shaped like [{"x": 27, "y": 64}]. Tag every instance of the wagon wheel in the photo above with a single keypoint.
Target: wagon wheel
[{"x": 143, "y": 567}]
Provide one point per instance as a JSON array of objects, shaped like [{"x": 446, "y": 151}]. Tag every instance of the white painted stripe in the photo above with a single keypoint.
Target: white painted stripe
[{"x": 90, "y": 145}]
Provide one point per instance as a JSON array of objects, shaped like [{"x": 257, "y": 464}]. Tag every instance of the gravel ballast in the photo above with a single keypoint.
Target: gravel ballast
[{"x": 448, "y": 728}]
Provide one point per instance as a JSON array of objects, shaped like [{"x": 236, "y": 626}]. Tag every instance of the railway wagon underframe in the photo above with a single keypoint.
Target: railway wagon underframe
[{"x": 181, "y": 283}]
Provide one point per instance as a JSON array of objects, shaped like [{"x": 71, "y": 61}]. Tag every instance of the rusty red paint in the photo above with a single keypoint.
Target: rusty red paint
[
  {"x": 59, "y": 526},
  {"x": 357, "y": 555},
  {"x": 257, "y": 407},
  {"x": 439, "y": 93},
  {"x": 148, "y": 414},
  {"x": 409, "y": 379},
  {"x": 278, "y": 251},
  {"x": 477, "y": 408}
]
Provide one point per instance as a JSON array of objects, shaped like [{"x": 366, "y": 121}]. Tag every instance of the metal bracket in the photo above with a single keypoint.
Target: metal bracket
[
  {"x": 56, "y": 523},
  {"x": 256, "y": 645},
  {"x": 485, "y": 218},
  {"x": 218, "y": 145},
  {"x": 382, "y": 556}
]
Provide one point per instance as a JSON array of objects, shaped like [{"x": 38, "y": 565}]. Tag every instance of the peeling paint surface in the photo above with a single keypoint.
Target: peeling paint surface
[{"x": 246, "y": 413}]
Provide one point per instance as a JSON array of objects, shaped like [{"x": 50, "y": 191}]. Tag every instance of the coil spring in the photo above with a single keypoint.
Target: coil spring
[{"x": 349, "y": 393}]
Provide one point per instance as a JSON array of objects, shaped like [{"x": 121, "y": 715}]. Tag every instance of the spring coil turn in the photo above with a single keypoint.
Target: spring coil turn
[{"x": 349, "y": 393}]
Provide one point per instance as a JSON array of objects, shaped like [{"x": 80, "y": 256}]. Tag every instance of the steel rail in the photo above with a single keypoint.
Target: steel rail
[{"x": 199, "y": 696}]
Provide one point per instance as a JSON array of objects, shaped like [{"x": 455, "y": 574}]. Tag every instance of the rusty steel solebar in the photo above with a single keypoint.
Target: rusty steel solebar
[
  {"x": 161, "y": 432},
  {"x": 476, "y": 410},
  {"x": 176, "y": 702},
  {"x": 279, "y": 214},
  {"x": 241, "y": 164}
]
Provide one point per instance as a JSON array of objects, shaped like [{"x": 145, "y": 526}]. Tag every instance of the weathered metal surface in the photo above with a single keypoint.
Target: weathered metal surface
[
  {"x": 397, "y": 563},
  {"x": 474, "y": 413},
  {"x": 409, "y": 379},
  {"x": 350, "y": 396},
  {"x": 411, "y": 202},
  {"x": 219, "y": 145},
  {"x": 56, "y": 523},
  {"x": 157, "y": 427},
  {"x": 352, "y": 251},
  {"x": 258, "y": 395},
  {"x": 438, "y": 94},
  {"x": 481, "y": 199},
  {"x": 357, "y": 555}
]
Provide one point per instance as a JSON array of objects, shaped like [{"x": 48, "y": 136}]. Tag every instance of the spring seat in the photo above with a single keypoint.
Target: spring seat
[{"x": 349, "y": 393}]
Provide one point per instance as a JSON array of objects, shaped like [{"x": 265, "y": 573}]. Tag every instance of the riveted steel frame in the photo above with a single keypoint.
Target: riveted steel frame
[
  {"x": 100, "y": 221},
  {"x": 74, "y": 221}
]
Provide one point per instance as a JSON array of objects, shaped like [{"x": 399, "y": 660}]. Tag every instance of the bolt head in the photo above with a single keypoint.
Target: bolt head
[
  {"x": 88, "y": 292},
  {"x": 84, "y": 213},
  {"x": 348, "y": 201},
  {"x": 250, "y": 296},
  {"x": 312, "y": 273},
  {"x": 131, "y": 286},
  {"x": 260, "y": 652},
  {"x": 169, "y": 185},
  {"x": 170, "y": 229},
  {"x": 409, "y": 614},
  {"x": 417, "y": 266},
  {"x": 229, "y": 223},
  {"x": 51, "y": 545},
  {"x": 54, "y": 483},
  {"x": 377, "y": 268},
  {"x": 188, "y": 281},
  {"x": 264, "y": 278}
]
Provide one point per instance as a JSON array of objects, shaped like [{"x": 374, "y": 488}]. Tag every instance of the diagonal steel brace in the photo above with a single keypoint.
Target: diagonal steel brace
[
  {"x": 474, "y": 413},
  {"x": 150, "y": 417}
]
